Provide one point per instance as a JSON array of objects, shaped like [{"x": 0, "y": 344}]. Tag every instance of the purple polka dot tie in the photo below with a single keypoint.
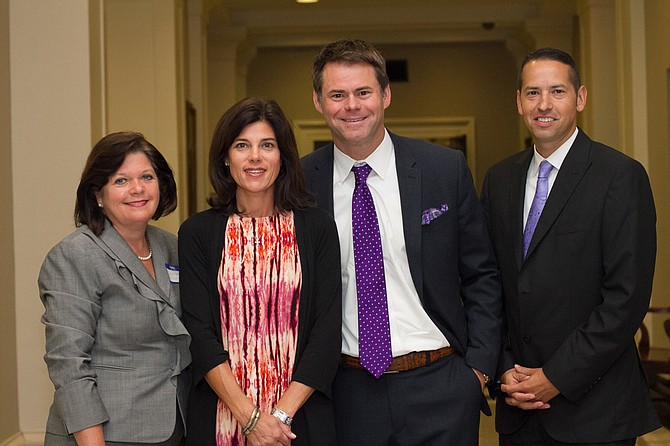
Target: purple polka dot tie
[
  {"x": 374, "y": 334},
  {"x": 538, "y": 203}
]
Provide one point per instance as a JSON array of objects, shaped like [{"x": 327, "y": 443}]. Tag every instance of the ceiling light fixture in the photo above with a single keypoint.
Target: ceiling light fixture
[{"x": 307, "y": 1}]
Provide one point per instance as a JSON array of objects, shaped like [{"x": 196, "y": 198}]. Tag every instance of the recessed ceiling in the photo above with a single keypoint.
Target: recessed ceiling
[
  {"x": 285, "y": 23},
  {"x": 253, "y": 5}
]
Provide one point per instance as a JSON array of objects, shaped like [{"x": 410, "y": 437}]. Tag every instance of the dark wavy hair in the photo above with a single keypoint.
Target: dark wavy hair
[
  {"x": 290, "y": 192},
  {"x": 555, "y": 55},
  {"x": 349, "y": 52},
  {"x": 104, "y": 160}
]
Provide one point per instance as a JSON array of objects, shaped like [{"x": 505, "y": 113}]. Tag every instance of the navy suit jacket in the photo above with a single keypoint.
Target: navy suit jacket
[
  {"x": 450, "y": 259},
  {"x": 573, "y": 305}
]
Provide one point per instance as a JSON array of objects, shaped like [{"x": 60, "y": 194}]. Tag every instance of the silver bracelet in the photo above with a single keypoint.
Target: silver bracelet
[{"x": 282, "y": 416}]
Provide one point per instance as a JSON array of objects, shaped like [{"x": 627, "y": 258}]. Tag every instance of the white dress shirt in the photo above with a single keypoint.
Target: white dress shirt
[
  {"x": 556, "y": 160},
  {"x": 411, "y": 328}
]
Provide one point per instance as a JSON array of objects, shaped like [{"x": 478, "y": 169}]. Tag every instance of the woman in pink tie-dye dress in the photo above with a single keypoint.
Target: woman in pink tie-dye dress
[{"x": 260, "y": 284}]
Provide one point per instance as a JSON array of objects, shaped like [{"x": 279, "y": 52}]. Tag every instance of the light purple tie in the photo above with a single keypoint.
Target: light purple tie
[
  {"x": 538, "y": 203},
  {"x": 374, "y": 334}
]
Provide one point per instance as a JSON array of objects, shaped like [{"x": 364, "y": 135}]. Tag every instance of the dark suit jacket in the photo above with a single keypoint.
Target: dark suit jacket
[
  {"x": 574, "y": 304},
  {"x": 450, "y": 259}
]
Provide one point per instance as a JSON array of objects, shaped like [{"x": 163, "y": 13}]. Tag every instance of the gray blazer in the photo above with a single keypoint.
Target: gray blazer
[{"x": 115, "y": 345}]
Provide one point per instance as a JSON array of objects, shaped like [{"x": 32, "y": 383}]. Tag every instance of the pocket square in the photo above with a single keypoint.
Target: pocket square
[{"x": 431, "y": 214}]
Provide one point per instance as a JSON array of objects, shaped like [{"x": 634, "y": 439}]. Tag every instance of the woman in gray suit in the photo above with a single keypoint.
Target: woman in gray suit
[{"x": 115, "y": 346}]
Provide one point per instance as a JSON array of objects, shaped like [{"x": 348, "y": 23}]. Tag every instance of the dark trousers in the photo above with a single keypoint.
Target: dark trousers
[
  {"x": 437, "y": 404},
  {"x": 532, "y": 433}
]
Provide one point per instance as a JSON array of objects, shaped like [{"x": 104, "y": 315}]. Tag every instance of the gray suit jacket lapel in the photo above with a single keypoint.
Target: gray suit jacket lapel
[
  {"x": 117, "y": 248},
  {"x": 161, "y": 258},
  {"x": 572, "y": 170}
]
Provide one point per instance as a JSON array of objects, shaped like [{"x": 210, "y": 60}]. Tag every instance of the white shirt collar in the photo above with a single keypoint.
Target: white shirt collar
[
  {"x": 555, "y": 159},
  {"x": 379, "y": 160}
]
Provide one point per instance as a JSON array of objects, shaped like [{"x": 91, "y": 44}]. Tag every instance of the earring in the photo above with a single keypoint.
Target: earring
[
  {"x": 225, "y": 163},
  {"x": 99, "y": 204}
]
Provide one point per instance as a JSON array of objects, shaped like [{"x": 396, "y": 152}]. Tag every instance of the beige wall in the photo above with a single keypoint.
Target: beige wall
[
  {"x": 144, "y": 80},
  {"x": 658, "y": 97},
  {"x": 50, "y": 137},
  {"x": 9, "y": 406},
  {"x": 477, "y": 79},
  {"x": 598, "y": 66},
  {"x": 58, "y": 79}
]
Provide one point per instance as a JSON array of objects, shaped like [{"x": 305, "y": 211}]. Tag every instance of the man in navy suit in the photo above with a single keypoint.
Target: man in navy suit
[
  {"x": 442, "y": 300},
  {"x": 576, "y": 291}
]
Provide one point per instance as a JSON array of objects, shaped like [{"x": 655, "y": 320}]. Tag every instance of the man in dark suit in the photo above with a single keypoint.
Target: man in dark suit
[
  {"x": 576, "y": 291},
  {"x": 440, "y": 294}
]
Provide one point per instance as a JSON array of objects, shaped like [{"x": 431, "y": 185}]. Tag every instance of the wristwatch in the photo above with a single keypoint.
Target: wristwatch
[{"x": 281, "y": 416}]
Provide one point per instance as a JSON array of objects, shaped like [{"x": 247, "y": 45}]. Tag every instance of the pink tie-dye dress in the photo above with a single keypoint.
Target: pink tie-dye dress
[{"x": 259, "y": 283}]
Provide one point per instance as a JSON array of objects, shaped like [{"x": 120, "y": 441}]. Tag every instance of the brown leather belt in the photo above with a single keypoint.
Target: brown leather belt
[{"x": 406, "y": 362}]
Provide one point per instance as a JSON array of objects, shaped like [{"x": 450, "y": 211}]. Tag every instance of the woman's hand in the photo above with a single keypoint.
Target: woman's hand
[{"x": 269, "y": 431}]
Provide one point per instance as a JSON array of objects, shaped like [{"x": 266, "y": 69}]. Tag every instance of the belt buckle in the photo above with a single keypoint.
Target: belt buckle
[{"x": 388, "y": 372}]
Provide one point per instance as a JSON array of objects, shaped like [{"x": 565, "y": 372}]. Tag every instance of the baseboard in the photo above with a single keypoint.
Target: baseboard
[
  {"x": 14, "y": 440},
  {"x": 33, "y": 439},
  {"x": 25, "y": 439}
]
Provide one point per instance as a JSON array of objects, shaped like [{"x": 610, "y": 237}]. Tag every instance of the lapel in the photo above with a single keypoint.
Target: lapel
[
  {"x": 517, "y": 193},
  {"x": 117, "y": 248},
  {"x": 321, "y": 175},
  {"x": 572, "y": 170},
  {"x": 409, "y": 183},
  {"x": 161, "y": 257}
]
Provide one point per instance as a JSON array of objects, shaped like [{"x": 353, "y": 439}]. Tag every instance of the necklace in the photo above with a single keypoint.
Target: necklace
[{"x": 151, "y": 253}]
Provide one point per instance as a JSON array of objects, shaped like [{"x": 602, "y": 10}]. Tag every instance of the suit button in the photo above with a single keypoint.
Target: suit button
[{"x": 526, "y": 339}]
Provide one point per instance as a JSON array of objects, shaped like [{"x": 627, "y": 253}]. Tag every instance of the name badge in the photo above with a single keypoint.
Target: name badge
[{"x": 173, "y": 272}]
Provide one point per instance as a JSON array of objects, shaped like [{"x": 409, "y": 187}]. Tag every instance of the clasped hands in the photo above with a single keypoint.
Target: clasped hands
[
  {"x": 527, "y": 388},
  {"x": 270, "y": 431}
]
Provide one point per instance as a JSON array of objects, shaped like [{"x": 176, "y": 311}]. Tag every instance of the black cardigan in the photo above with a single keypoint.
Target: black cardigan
[{"x": 201, "y": 239}]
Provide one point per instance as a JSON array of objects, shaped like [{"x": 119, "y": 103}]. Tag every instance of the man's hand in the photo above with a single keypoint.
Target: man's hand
[{"x": 527, "y": 388}]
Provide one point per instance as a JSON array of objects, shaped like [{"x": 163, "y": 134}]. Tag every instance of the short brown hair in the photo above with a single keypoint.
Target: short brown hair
[
  {"x": 557, "y": 56},
  {"x": 104, "y": 160},
  {"x": 290, "y": 192},
  {"x": 349, "y": 52}
]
